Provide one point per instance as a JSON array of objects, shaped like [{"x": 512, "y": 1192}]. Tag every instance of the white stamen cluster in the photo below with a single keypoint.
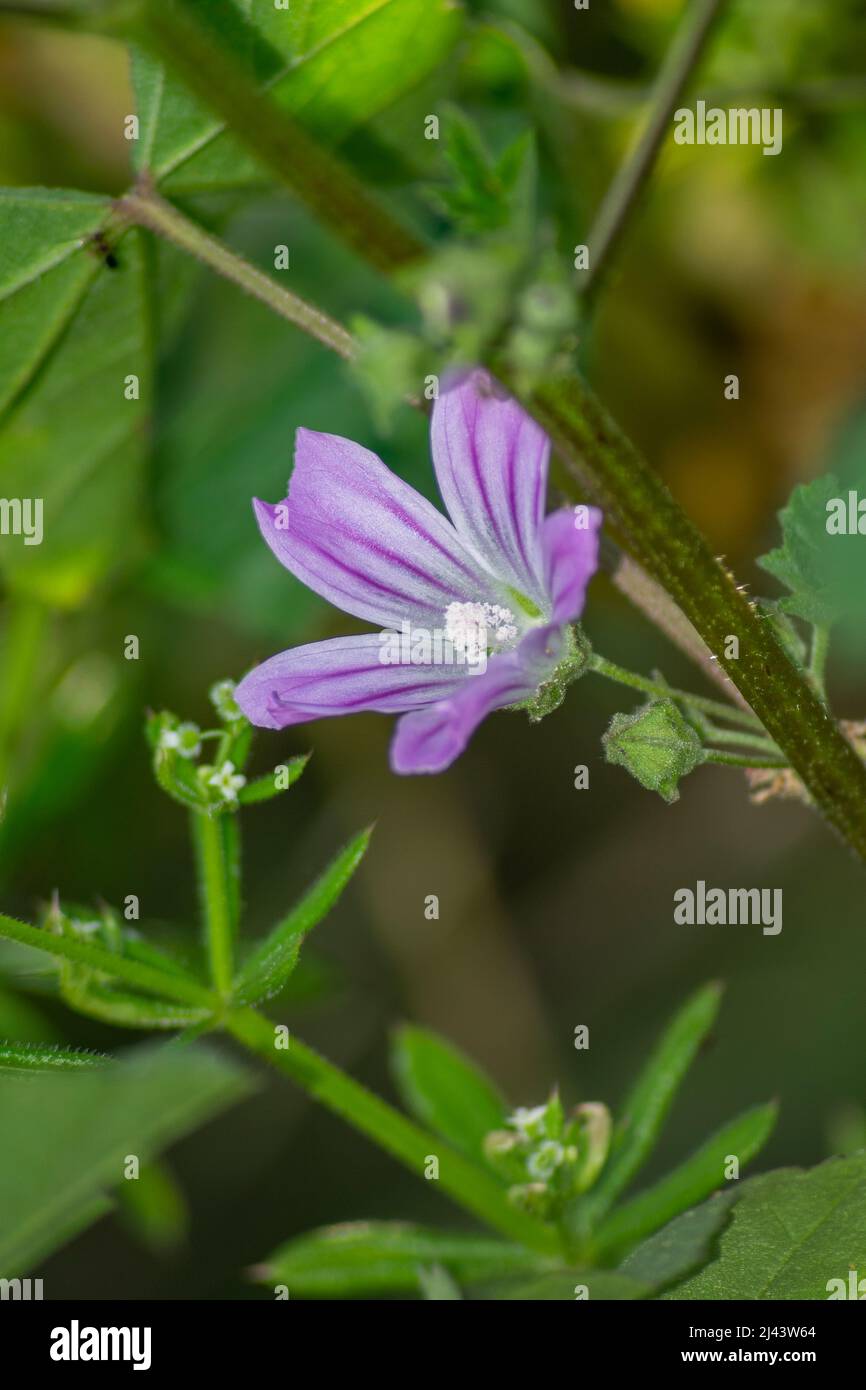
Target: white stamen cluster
[{"x": 468, "y": 625}]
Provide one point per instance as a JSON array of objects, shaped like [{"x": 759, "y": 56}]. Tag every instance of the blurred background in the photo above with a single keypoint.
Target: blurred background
[{"x": 556, "y": 905}]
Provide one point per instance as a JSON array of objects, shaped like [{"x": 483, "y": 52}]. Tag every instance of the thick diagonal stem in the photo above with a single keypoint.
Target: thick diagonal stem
[{"x": 661, "y": 537}]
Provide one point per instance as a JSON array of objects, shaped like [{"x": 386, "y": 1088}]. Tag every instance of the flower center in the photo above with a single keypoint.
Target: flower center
[{"x": 473, "y": 628}]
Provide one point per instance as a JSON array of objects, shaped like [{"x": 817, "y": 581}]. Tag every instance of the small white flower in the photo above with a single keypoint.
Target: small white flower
[
  {"x": 222, "y": 696},
  {"x": 227, "y": 782},
  {"x": 528, "y": 1123},
  {"x": 184, "y": 740},
  {"x": 545, "y": 1160}
]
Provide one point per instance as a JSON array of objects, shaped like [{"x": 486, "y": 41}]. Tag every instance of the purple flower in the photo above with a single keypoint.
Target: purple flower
[{"x": 475, "y": 610}]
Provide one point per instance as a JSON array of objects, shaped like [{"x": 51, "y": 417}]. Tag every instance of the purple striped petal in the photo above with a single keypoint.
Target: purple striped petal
[
  {"x": 341, "y": 676},
  {"x": 429, "y": 739},
  {"x": 570, "y": 540},
  {"x": 491, "y": 461},
  {"x": 354, "y": 532}
]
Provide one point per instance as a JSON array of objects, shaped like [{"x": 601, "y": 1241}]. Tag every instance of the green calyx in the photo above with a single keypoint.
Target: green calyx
[{"x": 657, "y": 745}]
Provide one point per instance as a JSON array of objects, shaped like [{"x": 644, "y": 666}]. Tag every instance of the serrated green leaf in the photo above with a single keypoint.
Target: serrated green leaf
[
  {"x": 791, "y": 1234},
  {"x": 273, "y": 960},
  {"x": 647, "y": 1106},
  {"x": 65, "y": 1138},
  {"x": 704, "y": 1172},
  {"x": 445, "y": 1091},
  {"x": 385, "y": 1256},
  {"x": 819, "y": 568},
  {"x": 683, "y": 1245},
  {"x": 333, "y": 64}
]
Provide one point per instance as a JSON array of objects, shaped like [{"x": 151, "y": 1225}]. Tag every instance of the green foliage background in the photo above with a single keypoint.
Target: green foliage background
[{"x": 556, "y": 905}]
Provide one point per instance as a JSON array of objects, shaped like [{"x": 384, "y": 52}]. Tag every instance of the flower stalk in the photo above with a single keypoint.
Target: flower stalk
[
  {"x": 215, "y": 895},
  {"x": 465, "y": 1182}
]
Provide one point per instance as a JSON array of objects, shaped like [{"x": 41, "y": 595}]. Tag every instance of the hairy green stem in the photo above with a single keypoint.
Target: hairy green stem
[
  {"x": 714, "y": 755},
  {"x": 679, "y": 64},
  {"x": 465, "y": 1182},
  {"x": 612, "y": 672},
  {"x": 735, "y": 736},
  {"x": 144, "y": 207},
  {"x": 216, "y": 895},
  {"x": 663, "y": 539}
]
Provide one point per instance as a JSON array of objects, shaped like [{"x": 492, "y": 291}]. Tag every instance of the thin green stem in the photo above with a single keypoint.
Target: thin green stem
[
  {"x": 612, "y": 672},
  {"x": 713, "y": 755},
  {"x": 735, "y": 736},
  {"x": 144, "y": 207},
  {"x": 165, "y": 983},
  {"x": 216, "y": 896},
  {"x": 680, "y": 62},
  {"x": 467, "y": 1183}
]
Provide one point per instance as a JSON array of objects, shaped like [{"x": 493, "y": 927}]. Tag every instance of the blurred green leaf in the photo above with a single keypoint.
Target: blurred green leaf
[
  {"x": 153, "y": 1208},
  {"x": 570, "y": 1285},
  {"x": 791, "y": 1233},
  {"x": 43, "y": 274},
  {"x": 385, "y": 1257},
  {"x": 21, "y": 1019},
  {"x": 445, "y": 1091},
  {"x": 333, "y": 64},
  {"x": 683, "y": 1245},
  {"x": 704, "y": 1172},
  {"x": 73, "y": 331},
  {"x": 647, "y": 1106},
  {"x": 273, "y": 960},
  {"x": 66, "y": 1138},
  {"x": 485, "y": 193},
  {"x": 437, "y": 1286}
]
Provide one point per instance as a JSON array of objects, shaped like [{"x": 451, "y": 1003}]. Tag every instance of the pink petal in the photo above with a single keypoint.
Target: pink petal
[
  {"x": 341, "y": 676},
  {"x": 570, "y": 541},
  {"x": 491, "y": 461},
  {"x": 429, "y": 739},
  {"x": 354, "y": 532}
]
